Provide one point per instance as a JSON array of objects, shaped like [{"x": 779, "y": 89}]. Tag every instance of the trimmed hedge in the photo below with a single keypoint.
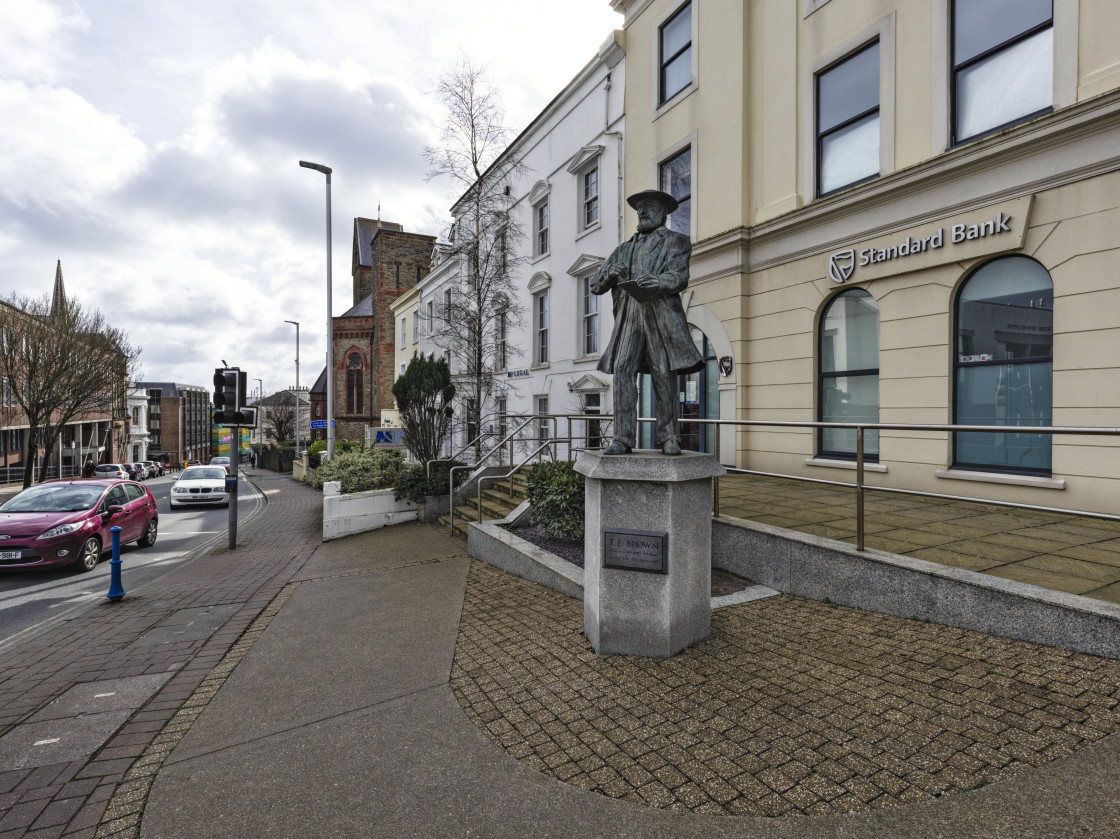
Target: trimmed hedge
[{"x": 362, "y": 469}]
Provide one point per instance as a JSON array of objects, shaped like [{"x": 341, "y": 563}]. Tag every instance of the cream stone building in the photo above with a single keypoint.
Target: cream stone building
[
  {"x": 406, "y": 316},
  {"x": 901, "y": 212}
]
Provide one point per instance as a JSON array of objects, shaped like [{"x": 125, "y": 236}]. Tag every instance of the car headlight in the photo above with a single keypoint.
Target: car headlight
[
  {"x": 61, "y": 530},
  {"x": 179, "y": 490}
]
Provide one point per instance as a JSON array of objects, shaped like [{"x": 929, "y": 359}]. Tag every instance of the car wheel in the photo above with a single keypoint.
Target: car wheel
[
  {"x": 150, "y": 533},
  {"x": 89, "y": 555}
]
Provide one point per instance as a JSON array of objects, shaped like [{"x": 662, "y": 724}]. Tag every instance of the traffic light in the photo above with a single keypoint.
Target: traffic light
[{"x": 229, "y": 397}]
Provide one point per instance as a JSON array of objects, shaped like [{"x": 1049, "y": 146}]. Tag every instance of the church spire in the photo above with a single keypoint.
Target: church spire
[{"x": 58, "y": 301}]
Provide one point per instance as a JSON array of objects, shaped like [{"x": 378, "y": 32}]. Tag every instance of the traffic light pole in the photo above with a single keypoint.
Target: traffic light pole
[
  {"x": 231, "y": 492},
  {"x": 229, "y": 397}
]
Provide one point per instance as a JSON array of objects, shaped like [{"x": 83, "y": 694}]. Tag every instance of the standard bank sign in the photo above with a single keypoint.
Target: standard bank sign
[{"x": 981, "y": 232}]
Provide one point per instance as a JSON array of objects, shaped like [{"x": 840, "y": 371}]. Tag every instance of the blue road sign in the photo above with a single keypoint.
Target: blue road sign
[{"x": 323, "y": 423}]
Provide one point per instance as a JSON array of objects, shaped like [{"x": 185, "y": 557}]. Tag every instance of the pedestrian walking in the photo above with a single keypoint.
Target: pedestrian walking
[{"x": 87, "y": 469}]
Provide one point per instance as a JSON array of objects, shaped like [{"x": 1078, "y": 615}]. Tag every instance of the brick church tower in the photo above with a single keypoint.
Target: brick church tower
[{"x": 386, "y": 262}]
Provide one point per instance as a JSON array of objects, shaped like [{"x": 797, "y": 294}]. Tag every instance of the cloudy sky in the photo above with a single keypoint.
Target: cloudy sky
[{"x": 153, "y": 147}]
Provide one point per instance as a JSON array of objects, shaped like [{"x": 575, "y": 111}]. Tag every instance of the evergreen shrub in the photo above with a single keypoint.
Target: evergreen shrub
[
  {"x": 413, "y": 483},
  {"x": 556, "y": 498}
]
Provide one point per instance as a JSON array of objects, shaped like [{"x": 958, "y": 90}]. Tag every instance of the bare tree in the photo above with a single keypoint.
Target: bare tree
[
  {"x": 280, "y": 422},
  {"x": 61, "y": 366},
  {"x": 472, "y": 322}
]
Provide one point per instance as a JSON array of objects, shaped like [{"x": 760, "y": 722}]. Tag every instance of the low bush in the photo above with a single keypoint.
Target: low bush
[
  {"x": 413, "y": 483},
  {"x": 556, "y": 498},
  {"x": 361, "y": 469},
  {"x": 316, "y": 449}
]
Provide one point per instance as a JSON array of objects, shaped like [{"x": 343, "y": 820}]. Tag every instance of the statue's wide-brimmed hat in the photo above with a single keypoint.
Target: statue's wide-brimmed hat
[{"x": 667, "y": 201}]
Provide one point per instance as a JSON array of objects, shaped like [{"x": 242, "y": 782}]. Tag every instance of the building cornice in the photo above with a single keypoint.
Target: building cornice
[{"x": 1076, "y": 143}]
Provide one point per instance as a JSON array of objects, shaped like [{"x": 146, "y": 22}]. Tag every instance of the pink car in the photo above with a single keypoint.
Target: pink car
[{"x": 68, "y": 522}]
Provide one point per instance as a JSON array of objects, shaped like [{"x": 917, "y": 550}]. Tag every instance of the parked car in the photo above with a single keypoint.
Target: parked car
[
  {"x": 134, "y": 470},
  {"x": 155, "y": 470},
  {"x": 67, "y": 522},
  {"x": 110, "y": 470},
  {"x": 194, "y": 463},
  {"x": 221, "y": 461},
  {"x": 200, "y": 485}
]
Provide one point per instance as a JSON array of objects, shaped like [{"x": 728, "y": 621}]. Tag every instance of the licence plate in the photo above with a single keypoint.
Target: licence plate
[{"x": 10, "y": 554}]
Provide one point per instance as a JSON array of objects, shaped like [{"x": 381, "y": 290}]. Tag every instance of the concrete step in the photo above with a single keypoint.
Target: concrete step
[
  {"x": 490, "y": 507},
  {"x": 502, "y": 497},
  {"x": 460, "y": 526},
  {"x": 469, "y": 513}
]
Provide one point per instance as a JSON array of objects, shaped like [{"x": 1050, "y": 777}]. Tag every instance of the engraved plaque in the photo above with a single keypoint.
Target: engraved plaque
[{"x": 636, "y": 550}]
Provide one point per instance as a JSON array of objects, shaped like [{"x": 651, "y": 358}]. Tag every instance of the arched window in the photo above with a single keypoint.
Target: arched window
[
  {"x": 849, "y": 373},
  {"x": 355, "y": 404},
  {"x": 1004, "y": 365}
]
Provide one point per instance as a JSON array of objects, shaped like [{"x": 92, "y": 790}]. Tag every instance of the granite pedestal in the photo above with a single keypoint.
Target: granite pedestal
[{"x": 636, "y": 599}]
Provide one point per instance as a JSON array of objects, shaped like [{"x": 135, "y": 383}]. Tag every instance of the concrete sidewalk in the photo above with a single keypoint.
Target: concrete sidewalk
[
  {"x": 403, "y": 690},
  {"x": 387, "y": 685}
]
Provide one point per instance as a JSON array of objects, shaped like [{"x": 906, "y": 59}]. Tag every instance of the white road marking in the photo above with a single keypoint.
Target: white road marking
[
  {"x": 47, "y": 742},
  {"x": 99, "y": 695}
]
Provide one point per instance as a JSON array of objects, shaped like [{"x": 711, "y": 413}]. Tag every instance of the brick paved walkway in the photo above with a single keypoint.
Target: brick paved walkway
[
  {"x": 105, "y": 642},
  {"x": 791, "y": 707},
  {"x": 1074, "y": 554}
]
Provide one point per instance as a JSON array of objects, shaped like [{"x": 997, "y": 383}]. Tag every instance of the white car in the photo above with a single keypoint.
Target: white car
[{"x": 200, "y": 485}]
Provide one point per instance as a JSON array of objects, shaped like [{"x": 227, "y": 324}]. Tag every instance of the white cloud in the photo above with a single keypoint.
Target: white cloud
[
  {"x": 32, "y": 37},
  {"x": 57, "y": 151},
  {"x": 186, "y": 218}
]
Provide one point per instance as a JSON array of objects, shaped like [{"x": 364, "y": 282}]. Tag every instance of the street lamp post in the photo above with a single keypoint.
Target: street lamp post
[
  {"x": 260, "y": 407},
  {"x": 295, "y": 323},
  {"x": 326, "y": 170}
]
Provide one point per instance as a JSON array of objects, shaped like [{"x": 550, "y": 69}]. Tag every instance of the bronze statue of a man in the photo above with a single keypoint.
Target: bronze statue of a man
[{"x": 645, "y": 276}]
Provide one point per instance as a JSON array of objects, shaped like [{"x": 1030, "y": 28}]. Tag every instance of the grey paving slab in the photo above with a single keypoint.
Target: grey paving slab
[
  {"x": 339, "y": 644},
  {"x": 188, "y": 625},
  {"x": 388, "y": 547},
  {"x": 57, "y": 741},
  {"x": 102, "y": 697},
  {"x": 415, "y": 767}
]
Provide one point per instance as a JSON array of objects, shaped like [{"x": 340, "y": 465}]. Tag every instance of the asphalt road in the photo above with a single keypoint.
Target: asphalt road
[{"x": 32, "y": 600}]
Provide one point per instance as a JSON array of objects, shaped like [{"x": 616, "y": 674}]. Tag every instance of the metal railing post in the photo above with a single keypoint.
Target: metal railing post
[
  {"x": 859, "y": 488},
  {"x": 715, "y": 488}
]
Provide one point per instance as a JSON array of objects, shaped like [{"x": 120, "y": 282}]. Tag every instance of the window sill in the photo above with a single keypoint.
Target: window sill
[
  {"x": 675, "y": 100},
  {"x": 997, "y": 478},
  {"x": 829, "y": 463},
  {"x": 580, "y": 359},
  {"x": 539, "y": 257},
  {"x": 539, "y": 366},
  {"x": 588, "y": 230}
]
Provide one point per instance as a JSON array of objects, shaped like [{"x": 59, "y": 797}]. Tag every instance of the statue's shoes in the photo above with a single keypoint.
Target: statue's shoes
[
  {"x": 617, "y": 447},
  {"x": 670, "y": 447}
]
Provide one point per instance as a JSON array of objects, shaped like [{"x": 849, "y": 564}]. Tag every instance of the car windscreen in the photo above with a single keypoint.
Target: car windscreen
[
  {"x": 203, "y": 473},
  {"x": 53, "y": 499}
]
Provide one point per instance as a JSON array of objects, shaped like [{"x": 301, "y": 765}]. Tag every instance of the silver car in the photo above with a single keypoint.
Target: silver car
[{"x": 200, "y": 485}]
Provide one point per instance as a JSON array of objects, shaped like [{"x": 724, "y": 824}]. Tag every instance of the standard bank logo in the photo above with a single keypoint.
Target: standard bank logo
[{"x": 841, "y": 265}]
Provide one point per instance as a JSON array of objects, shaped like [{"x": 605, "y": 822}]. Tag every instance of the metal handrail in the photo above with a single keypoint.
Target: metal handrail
[
  {"x": 481, "y": 434},
  {"x": 860, "y": 485},
  {"x": 451, "y": 472},
  {"x": 509, "y": 475}
]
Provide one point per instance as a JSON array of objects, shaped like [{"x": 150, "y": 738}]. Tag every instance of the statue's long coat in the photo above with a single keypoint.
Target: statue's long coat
[{"x": 664, "y": 321}]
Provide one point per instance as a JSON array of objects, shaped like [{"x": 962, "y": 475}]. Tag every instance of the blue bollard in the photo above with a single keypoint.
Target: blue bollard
[{"x": 116, "y": 590}]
